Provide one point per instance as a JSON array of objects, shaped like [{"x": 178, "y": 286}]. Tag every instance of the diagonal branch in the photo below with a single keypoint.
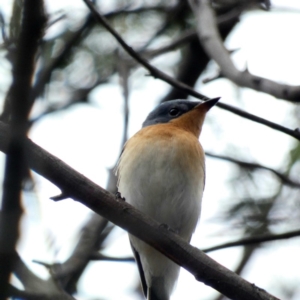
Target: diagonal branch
[
  {"x": 161, "y": 75},
  {"x": 153, "y": 71},
  {"x": 44, "y": 75},
  {"x": 79, "y": 188},
  {"x": 212, "y": 43},
  {"x": 92, "y": 235},
  {"x": 35, "y": 287}
]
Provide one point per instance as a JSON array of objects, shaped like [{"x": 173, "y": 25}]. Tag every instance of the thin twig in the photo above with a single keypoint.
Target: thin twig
[
  {"x": 159, "y": 74},
  {"x": 153, "y": 71},
  {"x": 241, "y": 242},
  {"x": 43, "y": 76},
  {"x": 177, "y": 42},
  {"x": 100, "y": 256},
  {"x": 286, "y": 180},
  {"x": 173, "y": 13},
  {"x": 255, "y": 240}
]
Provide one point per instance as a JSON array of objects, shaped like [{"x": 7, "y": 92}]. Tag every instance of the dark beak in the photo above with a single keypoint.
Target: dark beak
[{"x": 207, "y": 105}]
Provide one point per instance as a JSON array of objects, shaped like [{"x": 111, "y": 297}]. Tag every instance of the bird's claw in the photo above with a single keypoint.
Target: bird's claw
[
  {"x": 167, "y": 227},
  {"x": 119, "y": 196}
]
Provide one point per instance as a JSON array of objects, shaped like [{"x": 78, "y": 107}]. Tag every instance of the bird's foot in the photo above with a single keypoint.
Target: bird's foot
[
  {"x": 166, "y": 226},
  {"x": 119, "y": 196}
]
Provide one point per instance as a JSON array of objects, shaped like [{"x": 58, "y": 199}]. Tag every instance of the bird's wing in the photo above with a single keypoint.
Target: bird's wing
[{"x": 141, "y": 271}]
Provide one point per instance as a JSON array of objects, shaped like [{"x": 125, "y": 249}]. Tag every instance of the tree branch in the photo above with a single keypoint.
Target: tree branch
[
  {"x": 92, "y": 235},
  {"x": 100, "y": 256},
  {"x": 124, "y": 215},
  {"x": 17, "y": 109},
  {"x": 153, "y": 71},
  {"x": 35, "y": 288},
  {"x": 284, "y": 179},
  {"x": 255, "y": 240},
  {"x": 44, "y": 74},
  {"x": 159, "y": 74},
  {"x": 242, "y": 242},
  {"x": 214, "y": 47}
]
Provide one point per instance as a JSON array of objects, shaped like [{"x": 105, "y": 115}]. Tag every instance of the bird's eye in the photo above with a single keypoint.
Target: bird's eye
[{"x": 174, "y": 112}]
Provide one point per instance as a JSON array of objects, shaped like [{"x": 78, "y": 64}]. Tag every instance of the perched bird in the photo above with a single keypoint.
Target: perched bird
[{"x": 162, "y": 173}]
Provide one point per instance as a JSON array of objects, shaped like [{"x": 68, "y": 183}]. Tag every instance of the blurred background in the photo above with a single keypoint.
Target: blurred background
[{"x": 90, "y": 96}]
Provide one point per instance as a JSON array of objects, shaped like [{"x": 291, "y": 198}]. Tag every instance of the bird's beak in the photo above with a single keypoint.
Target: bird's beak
[{"x": 207, "y": 105}]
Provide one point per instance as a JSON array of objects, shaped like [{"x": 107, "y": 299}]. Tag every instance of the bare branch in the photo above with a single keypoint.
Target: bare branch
[
  {"x": 159, "y": 74},
  {"x": 255, "y": 240},
  {"x": 17, "y": 109},
  {"x": 124, "y": 215},
  {"x": 175, "y": 12},
  {"x": 182, "y": 39},
  {"x": 194, "y": 59},
  {"x": 67, "y": 274},
  {"x": 284, "y": 179},
  {"x": 35, "y": 295},
  {"x": 44, "y": 75},
  {"x": 153, "y": 71},
  {"x": 35, "y": 288},
  {"x": 214, "y": 47},
  {"x": 242, "y": 242},
  {"x": 92, "y": 235},
  {"x": 100, "y": 256}
]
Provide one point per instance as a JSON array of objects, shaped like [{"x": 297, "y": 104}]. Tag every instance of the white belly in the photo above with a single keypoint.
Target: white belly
[
  {"x": 160, "y": 183},
  {"x": 166, "y": 184}
]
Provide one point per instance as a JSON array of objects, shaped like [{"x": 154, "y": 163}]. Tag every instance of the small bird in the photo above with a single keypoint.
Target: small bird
[{"x": 161, "y": 172}]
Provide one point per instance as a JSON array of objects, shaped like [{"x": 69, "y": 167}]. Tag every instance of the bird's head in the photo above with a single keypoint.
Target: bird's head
[{"x": 183, "y": 113}]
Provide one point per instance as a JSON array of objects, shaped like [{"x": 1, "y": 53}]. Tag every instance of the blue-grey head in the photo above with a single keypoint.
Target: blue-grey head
[{"x": 173, "y": 109}]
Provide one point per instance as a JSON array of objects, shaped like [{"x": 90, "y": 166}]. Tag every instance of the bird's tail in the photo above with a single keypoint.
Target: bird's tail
[{"x": 158, "y": 290}]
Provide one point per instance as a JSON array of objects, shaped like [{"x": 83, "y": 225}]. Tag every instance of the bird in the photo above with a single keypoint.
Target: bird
[{"x": 161, "y": 172}]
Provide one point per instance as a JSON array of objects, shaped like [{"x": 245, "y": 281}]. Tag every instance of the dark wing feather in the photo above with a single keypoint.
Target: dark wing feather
[{"x": 141, "y": 271}]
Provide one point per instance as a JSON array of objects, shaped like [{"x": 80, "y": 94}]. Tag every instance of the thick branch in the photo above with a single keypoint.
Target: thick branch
[
  {"x": 17, "y": 109},
  {"x": 161, "y": 75},
  {"x": 212, "y": 43},
  {"x": 124, "y": 215}
]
